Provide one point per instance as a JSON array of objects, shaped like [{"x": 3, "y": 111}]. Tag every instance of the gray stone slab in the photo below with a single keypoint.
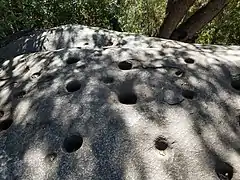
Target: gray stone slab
[
  {"x": 71, "y": 36},
  {"x": 121, "y": 113}
]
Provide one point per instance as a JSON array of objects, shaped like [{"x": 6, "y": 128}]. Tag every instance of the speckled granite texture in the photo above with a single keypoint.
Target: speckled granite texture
[{"x": 85, "y": 103}]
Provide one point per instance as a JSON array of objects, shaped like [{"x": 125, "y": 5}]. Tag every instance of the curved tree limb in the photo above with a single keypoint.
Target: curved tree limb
[
  {"x": 176, "y": 9},
  {"x": 198, "y": 20}
]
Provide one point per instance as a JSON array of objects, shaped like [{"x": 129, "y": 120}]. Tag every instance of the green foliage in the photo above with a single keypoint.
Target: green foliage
[
  {"x": 225, "y": 28},
  {"x": 139, "y": 16},
  {"x": 16, "y": 15}
]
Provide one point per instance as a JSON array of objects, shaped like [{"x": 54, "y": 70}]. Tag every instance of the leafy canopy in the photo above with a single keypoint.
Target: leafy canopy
[{"x": 139, "y": 16}]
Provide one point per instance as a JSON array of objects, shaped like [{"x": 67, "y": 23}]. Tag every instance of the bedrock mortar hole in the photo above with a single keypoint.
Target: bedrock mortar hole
[
  {"x": 1, "y": 113},
  {"x": 224, "y": 171},
  {"x": 4, "y": 125},
  {"x": 72, "y": 60},
  {"x": 125, "y": 65},
  {"x": 19, "y": 94},
  {"x": 235, "y": 83},
  {"x": 127, "y": 98},
  {"x": 161, "y": 143},
  {"x": 73, "y": 86},
  {"x": 72, "y": 143},
  {"x": 189, "y": 94},
  {"x": 189, "y": 61}
]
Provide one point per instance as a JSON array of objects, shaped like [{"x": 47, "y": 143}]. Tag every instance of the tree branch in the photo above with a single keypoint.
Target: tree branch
[
  {"x": 198, "y": 20},
  {"x": 176, "y": 9}
]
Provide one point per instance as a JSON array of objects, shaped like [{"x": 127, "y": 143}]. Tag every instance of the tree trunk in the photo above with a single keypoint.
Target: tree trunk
[
  {"x": 176, "y": 9},
  {"x": 198, "y": 20},
  {"x": 170, "y": 4}
]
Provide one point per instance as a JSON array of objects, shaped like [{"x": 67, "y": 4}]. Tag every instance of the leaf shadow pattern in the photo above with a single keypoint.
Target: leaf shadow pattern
[{"x": 118, "y": 139}]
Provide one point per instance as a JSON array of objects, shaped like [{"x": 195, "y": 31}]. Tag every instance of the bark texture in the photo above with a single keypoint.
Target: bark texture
[
  {"x": 176, "y": 9},
  {"x": 187, "y": 30}
]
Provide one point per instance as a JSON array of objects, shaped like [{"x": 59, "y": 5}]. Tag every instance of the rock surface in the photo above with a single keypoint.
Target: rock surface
[
  {"x": 120, "y": 107},
  {"x": 72, "y": 36}
]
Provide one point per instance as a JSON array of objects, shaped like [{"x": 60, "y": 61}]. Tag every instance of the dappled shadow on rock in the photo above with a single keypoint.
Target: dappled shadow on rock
[
  {"x": 79, "y": 36},
  {"x": 120, "y": 113}
]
